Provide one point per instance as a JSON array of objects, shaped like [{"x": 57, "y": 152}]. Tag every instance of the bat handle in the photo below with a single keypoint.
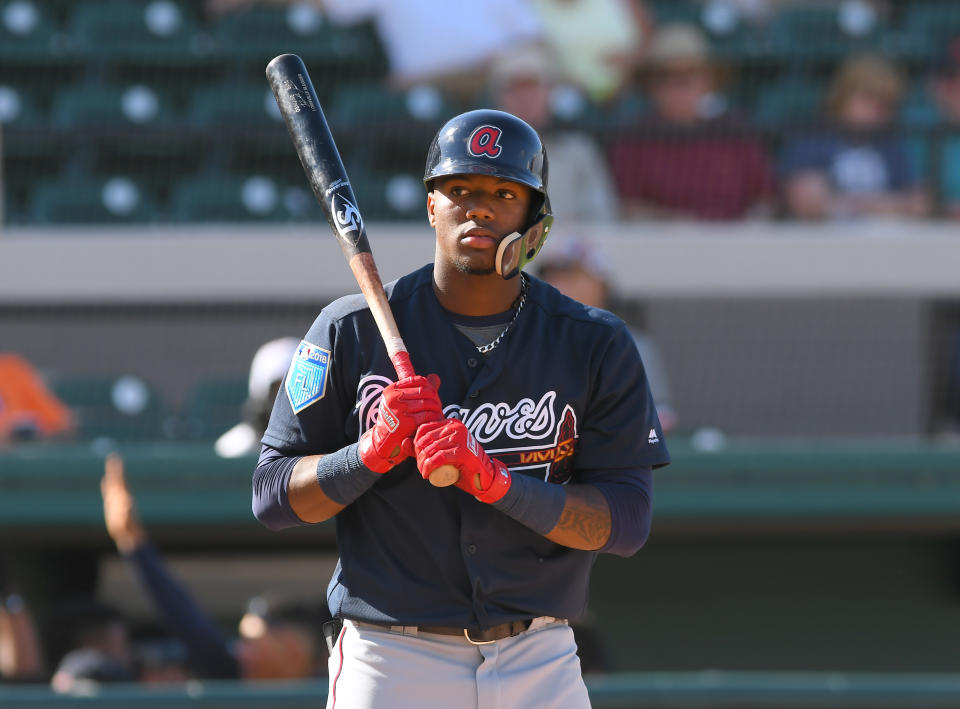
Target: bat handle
[{"x": 445, "y": 475}]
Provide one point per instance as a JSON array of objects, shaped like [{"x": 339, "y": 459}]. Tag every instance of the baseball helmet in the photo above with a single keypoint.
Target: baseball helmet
[{"x": 488, "y": 142}]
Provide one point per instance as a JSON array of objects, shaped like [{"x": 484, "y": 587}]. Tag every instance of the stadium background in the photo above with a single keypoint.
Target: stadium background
[{"x": 157, "y": 228}]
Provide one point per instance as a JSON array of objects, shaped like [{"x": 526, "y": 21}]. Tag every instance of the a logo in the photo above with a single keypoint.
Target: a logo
[
  {"x": 485, "y": 142},
  {"x": 653, "y": 438},
  {"x": 307, "y": 379},
  {"x": 346, "y": 218},
  {"x": 388, "y": 417}
]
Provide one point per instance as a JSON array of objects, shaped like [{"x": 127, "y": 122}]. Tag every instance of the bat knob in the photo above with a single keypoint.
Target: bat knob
[{"x": 444, "y": 476}]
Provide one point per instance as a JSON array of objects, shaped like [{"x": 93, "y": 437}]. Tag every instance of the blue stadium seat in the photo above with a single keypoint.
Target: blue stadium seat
[{"x": 28, "y": 34}]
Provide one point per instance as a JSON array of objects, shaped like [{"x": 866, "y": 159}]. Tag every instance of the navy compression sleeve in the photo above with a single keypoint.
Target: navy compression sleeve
[
  {"x": 210, "y": 656},
  {"x": 631, "y": 512},
  {"x": 270, "y": 504}
]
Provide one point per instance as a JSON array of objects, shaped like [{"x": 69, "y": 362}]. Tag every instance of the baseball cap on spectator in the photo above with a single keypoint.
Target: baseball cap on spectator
[
  {"x": 525, "y": 63},
  {"x": 574, "y": 251},
  {"x": 679, "y": 45},
  {"x": 270, "y": 365}
]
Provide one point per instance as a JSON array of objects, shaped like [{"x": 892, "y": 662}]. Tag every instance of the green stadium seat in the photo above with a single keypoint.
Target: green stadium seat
[
  {"x": 929, "y": 27},
  {"x": 389, "y": 196},
  {"x": 154, "y": 32},
  {"x": 234, "y": 107},
  {"x": 668, "y": 11},
  {"x": 122, "y": 408},
  {"x": 109, "y": 107},
  {"x": 257, "y": 34},
  {"x": 28, "y": 34},
  {"x": 825, "y": 32},
  {"x": 88, "y": 200},
  {"x": 371, "y": 104},
  {"x": 792, "y": 101},
  {"x": 228, "y": 198},
  {"x": 214, "y": 406}
]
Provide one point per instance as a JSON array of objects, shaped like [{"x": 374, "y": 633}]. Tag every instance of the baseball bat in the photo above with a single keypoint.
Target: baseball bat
[{"x": 297, "y": 99}]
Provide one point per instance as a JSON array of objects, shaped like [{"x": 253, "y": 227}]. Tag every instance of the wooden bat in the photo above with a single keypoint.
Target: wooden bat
[{"x": 297, "y": 99}]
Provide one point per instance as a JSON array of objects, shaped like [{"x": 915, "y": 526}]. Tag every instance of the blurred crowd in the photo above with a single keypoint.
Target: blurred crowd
[{"x": 676, "y": 141}]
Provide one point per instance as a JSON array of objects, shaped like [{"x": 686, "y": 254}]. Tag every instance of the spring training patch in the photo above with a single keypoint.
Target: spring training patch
[{"x": 307, "y": 378}]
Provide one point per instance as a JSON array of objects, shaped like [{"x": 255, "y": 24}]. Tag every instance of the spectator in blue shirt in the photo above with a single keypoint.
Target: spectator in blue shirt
[{"x": 856, "y": 166}]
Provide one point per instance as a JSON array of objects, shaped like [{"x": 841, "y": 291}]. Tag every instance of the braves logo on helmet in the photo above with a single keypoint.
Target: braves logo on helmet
[{"x": 485, "y": 141}]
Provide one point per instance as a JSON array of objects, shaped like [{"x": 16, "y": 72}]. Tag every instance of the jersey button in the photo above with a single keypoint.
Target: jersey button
[
  {"x": 474, "y": 394},
  {"x": 472, "y": 362},
  {"x": 472, "y": 549}
]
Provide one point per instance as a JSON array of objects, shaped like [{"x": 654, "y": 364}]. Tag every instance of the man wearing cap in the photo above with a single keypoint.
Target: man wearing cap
[
  {"x": 460, "y": 596},
  {"x": 689, "y": 158}
]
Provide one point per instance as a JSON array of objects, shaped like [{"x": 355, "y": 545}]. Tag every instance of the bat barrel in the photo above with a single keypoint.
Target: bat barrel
[{"x": 308, "y": 128}]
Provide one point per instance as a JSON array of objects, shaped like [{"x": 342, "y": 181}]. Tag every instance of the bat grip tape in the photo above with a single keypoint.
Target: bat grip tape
[{"x": 400, "y": 358}]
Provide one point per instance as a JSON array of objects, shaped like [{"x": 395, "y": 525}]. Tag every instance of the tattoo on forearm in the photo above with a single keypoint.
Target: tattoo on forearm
[{"x": 586, "y": 516}]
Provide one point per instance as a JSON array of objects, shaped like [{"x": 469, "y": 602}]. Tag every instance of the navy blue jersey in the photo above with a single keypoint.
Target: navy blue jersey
[{"x": 563, "y": 397}]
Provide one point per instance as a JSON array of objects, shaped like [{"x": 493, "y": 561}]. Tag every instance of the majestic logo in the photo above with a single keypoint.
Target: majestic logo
[
  {"x": 346, "y": 218},
  {"x": 485, "y": 142},
  {"x": 306, "y": 380},
  {"x": 653, "y": 437}
]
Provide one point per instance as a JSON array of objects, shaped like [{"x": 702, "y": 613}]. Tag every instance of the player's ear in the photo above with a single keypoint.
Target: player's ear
[{"x": 431, "y": 207}]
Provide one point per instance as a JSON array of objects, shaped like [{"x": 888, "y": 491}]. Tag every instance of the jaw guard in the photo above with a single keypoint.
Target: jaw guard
[{"x": 516, "y": 250}]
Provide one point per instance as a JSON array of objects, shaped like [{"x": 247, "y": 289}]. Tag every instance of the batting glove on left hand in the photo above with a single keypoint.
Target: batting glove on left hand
[
  {"x": 404, "y": 405},
  {"x": 448, "y": 442}
]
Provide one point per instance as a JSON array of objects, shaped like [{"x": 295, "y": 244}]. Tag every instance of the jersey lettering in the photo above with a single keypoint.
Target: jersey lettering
[{"x": 485, "y": 142}]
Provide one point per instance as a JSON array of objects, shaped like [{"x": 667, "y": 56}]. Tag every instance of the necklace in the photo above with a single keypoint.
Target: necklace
[{"x": 483, "y": 349}]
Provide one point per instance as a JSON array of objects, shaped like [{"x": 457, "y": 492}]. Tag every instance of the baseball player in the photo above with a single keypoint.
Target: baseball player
[{"x": 460, "y": 596}]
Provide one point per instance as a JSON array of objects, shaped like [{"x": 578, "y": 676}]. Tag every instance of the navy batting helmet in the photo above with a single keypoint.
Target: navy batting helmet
[{"x": 488, "y": 142}]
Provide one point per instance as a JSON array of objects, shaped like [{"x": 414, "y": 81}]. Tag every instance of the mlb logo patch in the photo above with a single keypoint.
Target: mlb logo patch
[{"x": 307, "y": 378}]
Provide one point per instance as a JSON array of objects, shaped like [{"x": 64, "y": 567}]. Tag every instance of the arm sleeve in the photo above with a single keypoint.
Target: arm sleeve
[
  {"x": 631, "y": 511},
  {"x": 210, "y": 655},
  {"x": 271, "y": 506}
]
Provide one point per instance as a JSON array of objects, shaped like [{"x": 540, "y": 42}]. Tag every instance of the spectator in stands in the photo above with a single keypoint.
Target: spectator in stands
[
  {"x": 597, "y": 43},
  {"x": 691, "y": 158},
  {"x": 581, "y": 189},
  {"x": 273, "y": 643},
  {"x": 858, "y": 166},
  {"x": 28, "y": 410},
  {"x": 578, "y": 268},
  {"x": 267, "y": 371},
  {"x": 88, "y": 641},
  {"x": 944, "y": 89},
  {"x": 21, "y": 659},
  {"x": 429, "y": 42}
]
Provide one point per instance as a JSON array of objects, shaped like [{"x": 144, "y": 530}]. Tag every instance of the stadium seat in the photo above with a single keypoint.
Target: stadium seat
[
  {"x": 824, "y": 32},
  {"x": 256, "y": 34},
  {"x": 389, "y": 196},
  {"x": 109, "y": 107},
  {"x": 154, "y": 32},
  {"x": 122, "y": 408},
  {"x": 234, "y": 106},
  {"x": 792, "y": 101},
  {"x": 227, "y": 198},
  {"x": 88, "y": 200},
  {"x": 368, "y": 104},
  {"x": 214, "y": 406},
  {"x": 28, "y": 34},
  {"x": 928, "y": 27}
]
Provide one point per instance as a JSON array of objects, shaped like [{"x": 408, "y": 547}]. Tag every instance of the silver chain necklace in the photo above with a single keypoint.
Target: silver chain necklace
[{"x": 483, "y": 349}]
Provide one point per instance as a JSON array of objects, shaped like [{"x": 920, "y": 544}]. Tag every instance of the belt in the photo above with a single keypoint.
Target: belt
[{"x": 477, "y": 637}]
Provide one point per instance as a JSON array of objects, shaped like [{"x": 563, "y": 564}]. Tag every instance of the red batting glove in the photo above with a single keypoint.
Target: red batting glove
[
  {"x": 448, "y": 442},
  {"x": 404, "y": 405}
]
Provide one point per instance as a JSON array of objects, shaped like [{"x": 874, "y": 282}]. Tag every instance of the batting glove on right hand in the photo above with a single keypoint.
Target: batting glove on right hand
[
  {"x": 448, "y": 442},
  {"x": 404, "y": 406}
]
